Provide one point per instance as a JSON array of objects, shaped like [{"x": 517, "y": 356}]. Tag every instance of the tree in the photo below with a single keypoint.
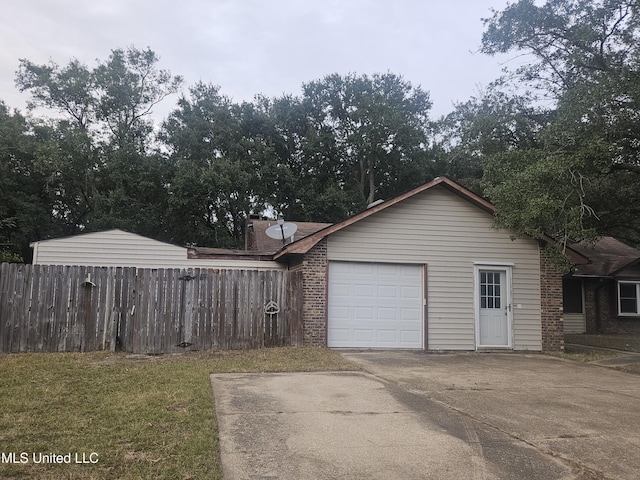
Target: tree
[
  {"x": 372, "y": 132},
  {"x": 100, "y": 157},
  {"x": 485, "y": 126},
  {"x": 300, "y": 177},
  {"x": 216, "y": 156},
  {"x": 114, "y": 100},
  {"x": 585, "y": 59},
  {"x": 129, "y": 85},
  {"x": 25, "y": 204}
]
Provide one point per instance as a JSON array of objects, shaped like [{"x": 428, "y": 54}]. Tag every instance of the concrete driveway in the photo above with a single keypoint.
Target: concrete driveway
[{"x": 432, "y": 416}]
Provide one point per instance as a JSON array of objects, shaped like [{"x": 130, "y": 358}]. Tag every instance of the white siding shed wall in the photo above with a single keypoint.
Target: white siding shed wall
[
  {"x": 574, "y": 323},
  {"x": 117, "y": 248},
  {"x": 449, "y": 234}
]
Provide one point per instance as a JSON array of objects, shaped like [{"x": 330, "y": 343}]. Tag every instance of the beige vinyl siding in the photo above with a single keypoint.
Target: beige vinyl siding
[
  {"x": 117, "y": 248},
  {"x": 574, "y": 323},
  {"x": 449, "y": 234}
]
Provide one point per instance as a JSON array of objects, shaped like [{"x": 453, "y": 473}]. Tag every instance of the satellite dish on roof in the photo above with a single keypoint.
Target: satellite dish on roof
[{"x": 281, "y": 230}]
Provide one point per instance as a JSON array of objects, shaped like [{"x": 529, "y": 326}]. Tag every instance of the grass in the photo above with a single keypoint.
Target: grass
[
  {"x": 628, "y": 343},
  {"x": 144, "y": 417},
  {"x": 584, "y": 357}
]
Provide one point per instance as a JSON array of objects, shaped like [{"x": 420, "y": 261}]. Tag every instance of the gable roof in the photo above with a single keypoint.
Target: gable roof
[
  {"x": 305, "y": 244},
  {"x": 607, "y": 257}
]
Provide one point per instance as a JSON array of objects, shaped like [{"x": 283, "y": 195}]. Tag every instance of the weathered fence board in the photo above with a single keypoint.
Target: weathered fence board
[{"x": 63, "y": 308}]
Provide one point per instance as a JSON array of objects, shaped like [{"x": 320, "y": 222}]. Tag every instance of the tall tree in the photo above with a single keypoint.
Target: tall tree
[
  {"x": 585, "y": 58},
  {"x": 100, "y": 157},
  {"x": 373, "y": 131},
  {"x": 215, "y": 153},
  {"x": 301, "y": 178},
  {"x": 25, "y": 203},
  {"x": 484, "y": 126}
]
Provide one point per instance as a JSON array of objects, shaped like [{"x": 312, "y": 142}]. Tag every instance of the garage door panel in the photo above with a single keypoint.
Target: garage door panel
[
  {"x": 361, "y": 268},
  {"x": 339, "y": 312},
  {"x": 410, "y": 314},
  {"x": 363, "y": 314},
  {"x": 388, "y": 336},
  {"x": 409, "y": 338},
  {"x": 387, "y": 314},
  {"x": 411, "y": 293},
  {"x": 341, "y": 290},
  {"x": 339, "y": 335},
  {"x": 363, "y": 335},
  {"x": 364, "y": 291},
  {"x": 341, "y": 267},
  {"x": 375, "y": 305},
  {"x": 387, "y": 291}
]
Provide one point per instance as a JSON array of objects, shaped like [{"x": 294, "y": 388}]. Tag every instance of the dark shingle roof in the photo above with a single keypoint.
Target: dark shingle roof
[
  {"x": 607, "y": 256},
  {"x": 263, "y": 243}
]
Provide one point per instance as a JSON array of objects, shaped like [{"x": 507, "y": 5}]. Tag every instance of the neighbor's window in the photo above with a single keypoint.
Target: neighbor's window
[
  {"x": 629, "y": 298},
  {"x": 572, "y": 295}
]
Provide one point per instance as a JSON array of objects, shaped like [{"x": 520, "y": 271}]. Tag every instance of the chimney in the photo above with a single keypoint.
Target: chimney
[{"x": 250, "y": 233}]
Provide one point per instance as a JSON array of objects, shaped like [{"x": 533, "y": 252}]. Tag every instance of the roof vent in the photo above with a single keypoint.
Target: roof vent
[{"x": 373, "y": 204}]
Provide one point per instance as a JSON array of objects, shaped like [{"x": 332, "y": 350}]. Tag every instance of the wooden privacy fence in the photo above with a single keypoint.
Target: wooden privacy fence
[{"x": 63, "y": 308}]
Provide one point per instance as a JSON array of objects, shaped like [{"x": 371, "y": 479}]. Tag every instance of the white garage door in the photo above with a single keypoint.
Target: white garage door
[{"x": 375, "y": 305}]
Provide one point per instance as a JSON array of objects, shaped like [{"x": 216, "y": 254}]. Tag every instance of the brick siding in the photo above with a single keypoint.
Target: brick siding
[
  {"x": 601, "y": 309},
  {"x": 551, "y": 304},
  {"x": 314, "y": 287}
]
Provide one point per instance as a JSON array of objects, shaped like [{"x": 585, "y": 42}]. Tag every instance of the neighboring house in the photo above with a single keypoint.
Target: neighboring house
[
  {"x": 603, "y": 296},
  {"x": 427, "y": 270},
  {"x": 117, "y": 248}
]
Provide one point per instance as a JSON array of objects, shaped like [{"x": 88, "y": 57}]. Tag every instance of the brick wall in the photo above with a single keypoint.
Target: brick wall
[
  {"x": 551, "y": 304},
  {"x": 314, "y": 303},
  {"x": 590, "y": 305},
  {"x": 601, "y": 309}
]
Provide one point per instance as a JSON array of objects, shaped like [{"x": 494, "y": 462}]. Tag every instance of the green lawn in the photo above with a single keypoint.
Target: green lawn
[{"x": 140, "y": 416}]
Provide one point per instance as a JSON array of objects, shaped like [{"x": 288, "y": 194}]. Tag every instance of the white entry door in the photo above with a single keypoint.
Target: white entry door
[{"x": 493, "y": 311}]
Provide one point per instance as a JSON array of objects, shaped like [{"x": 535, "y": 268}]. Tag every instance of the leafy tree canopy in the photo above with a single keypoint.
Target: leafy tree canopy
[{"x": 578, "y": 179}]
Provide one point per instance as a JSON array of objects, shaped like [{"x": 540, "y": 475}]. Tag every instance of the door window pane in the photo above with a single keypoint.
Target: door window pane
[{"x": 490, "y": 290}]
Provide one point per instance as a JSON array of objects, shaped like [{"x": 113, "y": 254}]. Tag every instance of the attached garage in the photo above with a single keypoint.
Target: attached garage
[
  {"x": 365, "y": 281},
  {"x": 375, "y": 305}
]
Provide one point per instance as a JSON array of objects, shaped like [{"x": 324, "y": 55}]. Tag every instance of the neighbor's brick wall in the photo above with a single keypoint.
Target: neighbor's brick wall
[
  {"x": 314, "y": 287},
  {"x": 590, "y": 305},
  {"x": 601, "y": 309},
  {"x": 551, "y": 304}
]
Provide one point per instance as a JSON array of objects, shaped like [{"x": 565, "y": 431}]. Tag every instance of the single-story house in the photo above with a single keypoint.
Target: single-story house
[
  {"x": 117, "y": 248},
  {"x": 426, "y": 270},
  {"x": 603, "y": 295}
]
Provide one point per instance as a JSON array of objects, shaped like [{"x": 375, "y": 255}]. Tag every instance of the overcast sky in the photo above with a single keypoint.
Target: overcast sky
[{"x": 270, "y": 47}]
